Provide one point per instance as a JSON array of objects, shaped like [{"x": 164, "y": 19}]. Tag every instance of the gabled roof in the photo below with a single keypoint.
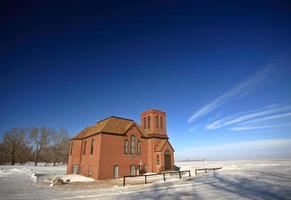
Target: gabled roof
[
  {"x": 112, "y": 125},
  {"x": 161, "y": 145}
]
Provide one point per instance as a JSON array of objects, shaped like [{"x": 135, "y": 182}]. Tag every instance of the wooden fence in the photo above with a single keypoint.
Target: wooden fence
[
  {"x": 162, "y": 173},
  {"x": 207, "y": 169}
]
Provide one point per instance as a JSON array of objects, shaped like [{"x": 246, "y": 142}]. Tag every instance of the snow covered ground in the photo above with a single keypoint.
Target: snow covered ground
[{"x": 263, "y": 179}]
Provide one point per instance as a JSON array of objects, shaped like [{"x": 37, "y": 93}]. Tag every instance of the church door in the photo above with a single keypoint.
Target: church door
[{"x": 167, "y": 158}]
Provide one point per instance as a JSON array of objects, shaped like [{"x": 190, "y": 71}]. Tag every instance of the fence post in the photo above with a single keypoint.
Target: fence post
[
  {"x": 145, "y": 179},
  {"x": 180, "y": 174},
  {"x": 189, "y": 173},
  {"x": 195, "y": 172},
  {"x": 164, "y": 176},
  {"x": 123, "y": 181}
]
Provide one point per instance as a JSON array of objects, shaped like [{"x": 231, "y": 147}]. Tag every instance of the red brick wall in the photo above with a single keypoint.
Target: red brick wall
[
  {"x": 153, "y": 128},
  {"x": 91, "y": 160},
  {"x": 74, "y": 159},
  {"x": 112, "y": 153}
]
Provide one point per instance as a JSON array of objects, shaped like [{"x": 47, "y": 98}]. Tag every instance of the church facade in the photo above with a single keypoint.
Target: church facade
[{"x": 115, "y": 147}]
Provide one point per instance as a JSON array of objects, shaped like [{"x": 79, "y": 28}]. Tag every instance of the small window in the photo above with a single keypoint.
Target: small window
[
  {"x": 115, "y": 171},
  {"x": 132, "y": 145},
  {"x": 84, "y": 148},
  {"x": 145, "y": 168},
  {"x": 144, "y": 123},
  {"x": 126, "y": 147},
  {"x": 161, "y": 122},
  {"x": 138, "y": 147},
  {"x": 75, "y": 169},
  {"x": 157, "y": 122},
  {"x": 158, "y": 159},
  {"x": 149, "y": 122},
  {"x": 92, "y": 146}
]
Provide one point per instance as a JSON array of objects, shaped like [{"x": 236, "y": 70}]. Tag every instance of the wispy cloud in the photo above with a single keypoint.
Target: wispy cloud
[
  {"x": 244, "y": 88},
  {"x": 256, "y": 149},
  {"x": 260, "y": 115},
  {"x": 249, "y": 128},
  {"x": 278, "y": 116}
]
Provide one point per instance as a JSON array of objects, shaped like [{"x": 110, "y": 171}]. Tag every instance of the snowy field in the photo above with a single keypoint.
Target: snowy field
[{"x": 236, "y": 180}]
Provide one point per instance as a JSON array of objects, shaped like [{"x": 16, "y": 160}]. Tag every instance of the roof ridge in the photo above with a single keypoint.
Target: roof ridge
[
  {"x": 121, "y": 118},
  {"x": 113, "y": 117}
]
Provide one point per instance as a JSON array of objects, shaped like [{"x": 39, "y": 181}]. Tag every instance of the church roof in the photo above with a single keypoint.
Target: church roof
[
  {"x": 161, "y": 145},
  {"x": 112, "y": 125}
]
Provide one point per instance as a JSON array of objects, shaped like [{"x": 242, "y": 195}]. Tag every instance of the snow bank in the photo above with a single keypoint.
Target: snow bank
[
  {"x": 6, "y": 172},
  {"x": 76, "y": 178}
]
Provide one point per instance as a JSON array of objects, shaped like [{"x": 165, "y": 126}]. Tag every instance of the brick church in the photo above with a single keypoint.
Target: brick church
[{"x": 115, "y": 147}]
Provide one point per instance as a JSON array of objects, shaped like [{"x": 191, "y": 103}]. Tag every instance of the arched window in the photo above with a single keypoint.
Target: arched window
[
  {"x": 144, "y": 123},
  {"x": 158, "y": 159},
  {"x": 92, "y": 146},
  {"x": 149, "y": 122},
  {"x": 132, "y": 145},
  {"x": 161, "y": 122},
  {"x": 167, "y": 152},
  {"x": 138, "y": 147},
  {"x": 71, "y": 150},
  {"x": 126, "y": 147},
  {"x": 84, "y": 149},
  {"x": 157, "y": 121}
]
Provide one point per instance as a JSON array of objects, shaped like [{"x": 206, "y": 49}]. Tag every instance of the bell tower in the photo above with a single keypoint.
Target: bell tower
[{"x": 153, "y": 123}]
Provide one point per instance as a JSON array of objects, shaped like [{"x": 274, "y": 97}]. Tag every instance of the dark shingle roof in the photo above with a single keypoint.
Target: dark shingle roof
[{"x": 112, "y": 125}]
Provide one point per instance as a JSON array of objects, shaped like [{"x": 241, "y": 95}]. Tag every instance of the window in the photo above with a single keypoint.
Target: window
[
  {"x": 157, "y": 122},
  {"x": 126, "y": 147},
  {"x": 132, "y": 145},
  {"x": 84, "y": 149},
  {"x": 115, "y": 171},
  {"x": 161, "y": 122},
  {"x": 138, "y": 147},
  {"x": 144, "y": 123},
  {"x": 92, "y": 146},
  {"x": 149, "y": 122},
  {"x": 158, "y": 159},
  {"x": 132, "y": 170},
  {"x": 71, "y": 150}
]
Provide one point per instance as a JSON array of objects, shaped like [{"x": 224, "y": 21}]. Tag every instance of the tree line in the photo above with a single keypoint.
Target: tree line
[{"x": 21, "y": 145}]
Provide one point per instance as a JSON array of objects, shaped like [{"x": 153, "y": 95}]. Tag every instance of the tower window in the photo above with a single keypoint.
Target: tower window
[
  {"x": 144, "y": 123},
  {"x": 161, "y": 122},
  {"x": 157, "y": 122},
  {"x": 149, "y": 122}
]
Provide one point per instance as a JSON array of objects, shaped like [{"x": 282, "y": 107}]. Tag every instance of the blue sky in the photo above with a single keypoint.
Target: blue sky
[{"x": 221, "y": 70}]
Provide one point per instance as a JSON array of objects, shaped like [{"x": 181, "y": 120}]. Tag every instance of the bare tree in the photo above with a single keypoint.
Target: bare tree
[
  {"x": 39, "y": 138},
  {"x": 3, "y": 156},
  {"x": 14, "y": 143},
  {"x": 59, "y": 145}
]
